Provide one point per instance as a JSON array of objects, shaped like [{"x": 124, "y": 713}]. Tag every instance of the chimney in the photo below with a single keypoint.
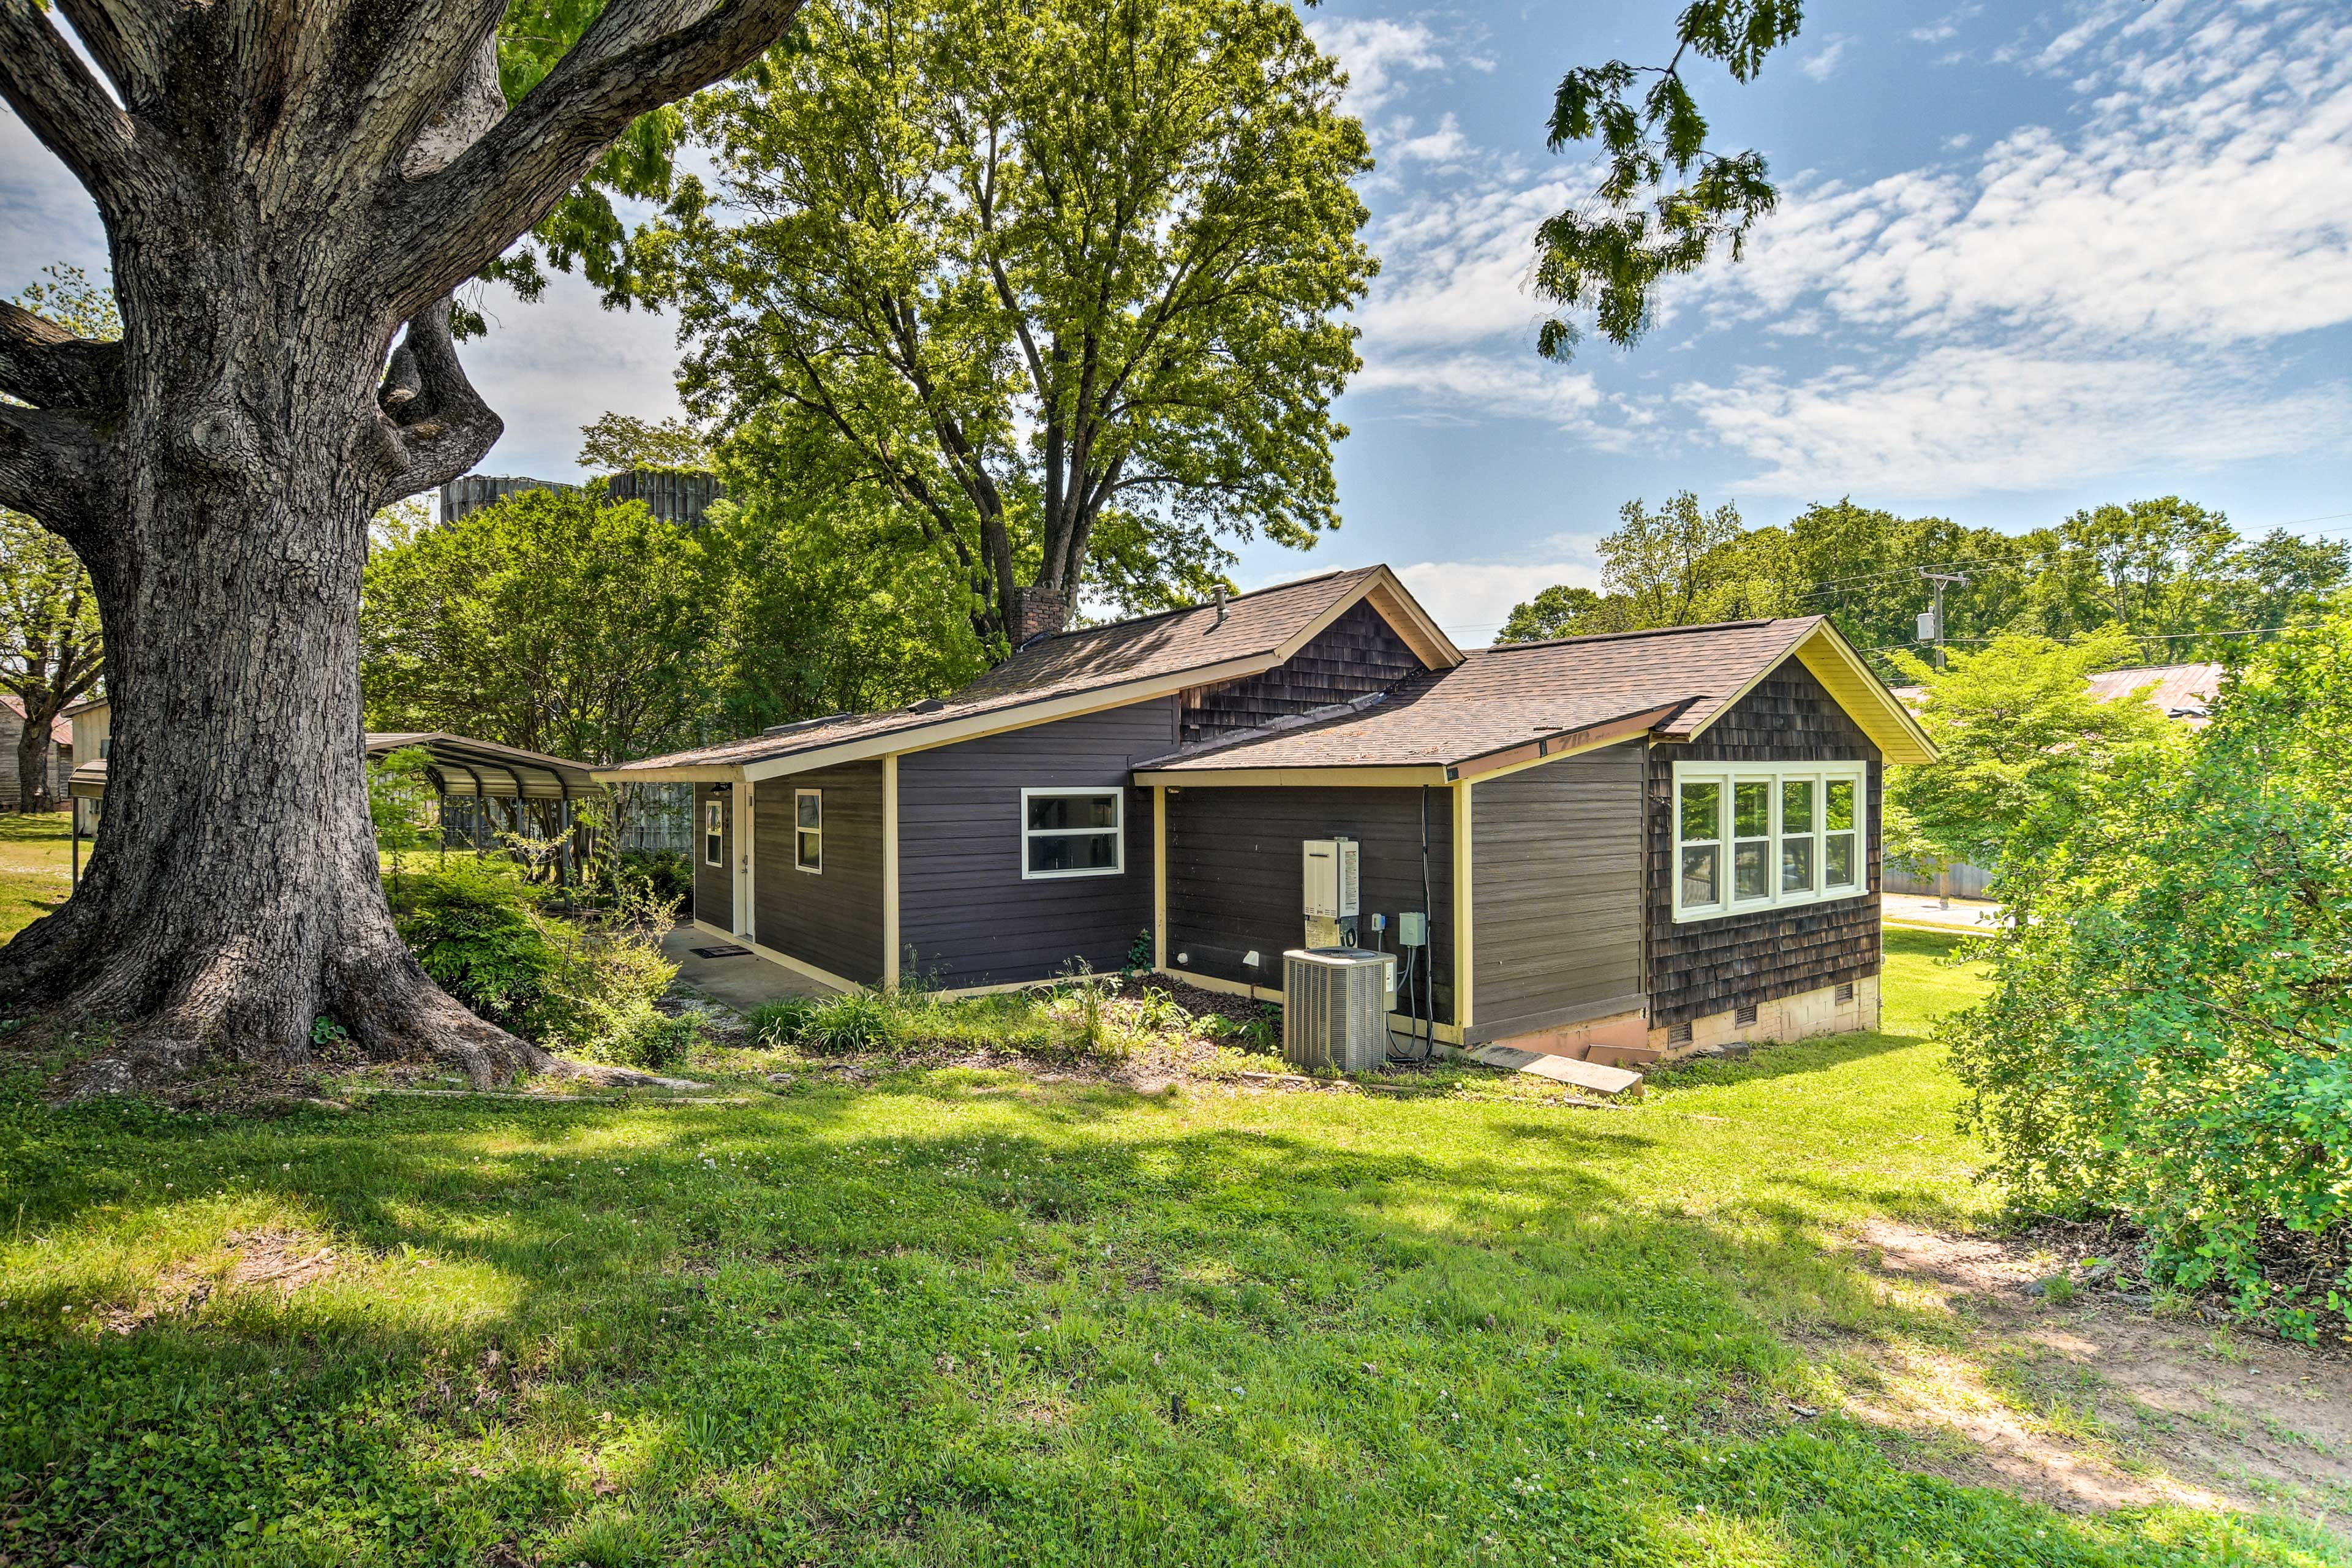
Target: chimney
[
  {"x": 1037, "y": 613},
  {"x": 1220, "y": 597}
]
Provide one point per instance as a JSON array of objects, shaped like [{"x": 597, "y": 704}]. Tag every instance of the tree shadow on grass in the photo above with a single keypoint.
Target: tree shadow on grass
[{"x": 862, "y": 1325}]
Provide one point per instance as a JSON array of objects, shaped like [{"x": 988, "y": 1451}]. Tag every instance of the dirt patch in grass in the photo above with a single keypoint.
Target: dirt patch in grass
[
  {"x": 2091, "y": 1399},
  {"x": 272, "y": 1259}
]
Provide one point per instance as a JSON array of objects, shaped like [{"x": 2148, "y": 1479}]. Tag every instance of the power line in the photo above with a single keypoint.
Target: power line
[{"x": 2137, "y": 637}]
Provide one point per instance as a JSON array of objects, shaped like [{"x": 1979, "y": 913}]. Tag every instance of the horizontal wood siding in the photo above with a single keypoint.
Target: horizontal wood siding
[
  {"x": 714, "y": 886},
  {"x": 1557, "y": 891},
  {"x": 1703, "y": 967},
  {"x": 833, "y": 918},
  {"x": 964, "y": 910},
  {"x": 1236, "y": 881},
  {"x": 1354, "y": 657}
]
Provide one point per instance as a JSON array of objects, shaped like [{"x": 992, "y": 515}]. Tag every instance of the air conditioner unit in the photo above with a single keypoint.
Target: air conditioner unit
[{"x": 1332, "y": 1009}]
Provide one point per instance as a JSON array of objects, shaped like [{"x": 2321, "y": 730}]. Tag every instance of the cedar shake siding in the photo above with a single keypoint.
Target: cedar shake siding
[
  {"x": 831, "y": 918},
  {"x": 1354, "y": 657},
  {"x": 1556, "y": 894},
  {"x": 714, "y": 886},
  {"x": 966, "y": 915},
  {"x": 1702, "y": 967},
  {"x": 1237, "y": 879}
]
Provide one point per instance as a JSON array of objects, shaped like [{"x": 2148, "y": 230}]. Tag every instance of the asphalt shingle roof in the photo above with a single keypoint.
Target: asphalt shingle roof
[
  {"x": 1255, "y": 625},
  {"x": 1513, "y": 694}
]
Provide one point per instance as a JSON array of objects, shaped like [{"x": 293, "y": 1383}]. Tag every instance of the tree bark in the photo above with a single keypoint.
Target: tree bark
[
  {"x": 282, "y": 189},
  {"x": 33, "y": 792}
]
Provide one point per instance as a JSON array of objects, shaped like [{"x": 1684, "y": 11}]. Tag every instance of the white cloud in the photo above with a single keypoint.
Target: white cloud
[
  {"x": 1454, "y": 264},
  {"x": 1376, "y": 53},
  {"x": 1958, "y": 143},
  {"x": 1445, "y": 145},
  {"x": 1819, "y": 66},
  {"x": 2207, "y": 198},
  {"x": 1961, "y": 419},
  {"x": 1511, "y": 382},
  {"x": 1472, "y": 599},
  {"x": 45, "y": 214}
]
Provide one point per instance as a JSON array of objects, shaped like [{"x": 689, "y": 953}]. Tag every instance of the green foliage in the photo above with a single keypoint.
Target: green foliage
[
  {"x": 402, "y": 799},
  {"x": 1034, "y": 275},
  {"x": 2028, "y": 754},
  {"x": 782, "y": 1021},
  {"x": 853, "y": 1021},
  {"x": 582, "y": 986},
  {"x": 549, "y": 621},
  {"x": 1562, "y": 610},
  {"x": 2169, "y": 1035},
  {"x": 1666, "y": 203},
  {"x": 617, "y": 443},
  {"x": 670, "y": 875},
  {"x": 2171, "y": 573}
]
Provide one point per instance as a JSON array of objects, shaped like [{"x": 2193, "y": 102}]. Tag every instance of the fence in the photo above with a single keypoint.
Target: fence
[{"x": 1958, "y": 880}]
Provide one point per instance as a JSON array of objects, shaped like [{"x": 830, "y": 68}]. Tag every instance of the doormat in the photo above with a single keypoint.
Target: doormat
[{"x": 722, "y": 952}]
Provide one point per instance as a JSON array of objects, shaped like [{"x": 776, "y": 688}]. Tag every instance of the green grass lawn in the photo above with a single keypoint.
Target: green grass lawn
[
  {"x": 36, "y": 869},
  {"x": 946, "y": 1317}
]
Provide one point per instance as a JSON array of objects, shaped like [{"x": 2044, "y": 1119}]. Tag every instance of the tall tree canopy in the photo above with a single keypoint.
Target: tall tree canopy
[
  {"x": 283, "y": 189},
  {"x": 1047, "y": 277}
]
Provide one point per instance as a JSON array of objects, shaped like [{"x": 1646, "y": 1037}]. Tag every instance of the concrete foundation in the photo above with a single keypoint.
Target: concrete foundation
[{"x": 1800, "y": 1017}]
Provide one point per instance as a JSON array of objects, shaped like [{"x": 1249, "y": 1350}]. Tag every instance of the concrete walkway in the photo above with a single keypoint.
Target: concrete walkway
[
  {"x": 743, "y": 982},
  {"x": 1921, "y": 909}
]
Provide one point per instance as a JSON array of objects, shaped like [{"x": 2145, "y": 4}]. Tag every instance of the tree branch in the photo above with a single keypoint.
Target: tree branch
[
  {"x": 636, "y": 57},
  {"x": 436, "y": 424},
  {"x": 49, "y": 467},
  {"x": 130, "y": 41},
  {"x": 48, "y": 367},
  {"x": 55, "y": 94}
]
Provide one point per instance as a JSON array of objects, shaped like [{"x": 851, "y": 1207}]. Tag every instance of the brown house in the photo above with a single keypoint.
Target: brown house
[{"x": 1620, "y": 846}]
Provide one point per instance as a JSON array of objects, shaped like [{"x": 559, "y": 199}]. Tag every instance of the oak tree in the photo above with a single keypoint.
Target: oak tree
[
  {"x": 1025, "y": 270},
  {"x": 284, "y": 189}
]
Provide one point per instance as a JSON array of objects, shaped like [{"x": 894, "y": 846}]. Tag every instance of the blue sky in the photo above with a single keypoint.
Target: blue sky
[{"x": 2029, "y": 259}]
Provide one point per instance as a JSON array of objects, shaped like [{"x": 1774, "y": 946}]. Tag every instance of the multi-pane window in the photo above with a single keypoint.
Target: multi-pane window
[
  {"x": 714, "y": 833},
  {"x": 808, "y": 829},
  {"x": 1752, "y": 835},
  {"x": 1072, "y": 833}
]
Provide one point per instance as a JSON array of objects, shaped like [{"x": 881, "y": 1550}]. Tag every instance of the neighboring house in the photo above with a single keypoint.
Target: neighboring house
[
  {"x": 12, "y": 727},
  {"x": 1624, "y": 846},
  {"x": 2182, "y": 692}
]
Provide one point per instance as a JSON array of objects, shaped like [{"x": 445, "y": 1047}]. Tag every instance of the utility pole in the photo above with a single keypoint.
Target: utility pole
[{"x": 1931, "y": 625}]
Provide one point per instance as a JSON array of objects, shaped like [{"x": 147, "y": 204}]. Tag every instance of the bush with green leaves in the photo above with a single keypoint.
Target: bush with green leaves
[
  {"x": 473, "y": 923},
  {"x": 2169, "y": 1032}
]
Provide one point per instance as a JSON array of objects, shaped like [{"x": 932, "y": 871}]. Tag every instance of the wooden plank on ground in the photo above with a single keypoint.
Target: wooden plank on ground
[{"x": 1592, "y": 1076}]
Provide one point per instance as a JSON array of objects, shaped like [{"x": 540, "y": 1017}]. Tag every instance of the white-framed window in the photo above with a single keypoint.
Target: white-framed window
[
  {"x": 714, "y": 832},
  {"x": 1761, "y": 835},
  {"x": 1073, "y": 833},
  {"x": 808, "y": 830}
]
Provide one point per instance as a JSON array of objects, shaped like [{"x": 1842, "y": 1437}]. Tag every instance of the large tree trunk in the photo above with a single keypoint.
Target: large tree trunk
[{"x": 282, "y": 189}]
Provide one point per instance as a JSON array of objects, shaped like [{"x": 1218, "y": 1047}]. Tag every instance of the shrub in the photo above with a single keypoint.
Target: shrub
[
  {"x": 2169, "y": 1032},
  {"x": 670, "y": 877},
  {"x": 473, "y": 925},
  {"x": 854, "y": 1021},
  {"x": 782, "y": 1021}
]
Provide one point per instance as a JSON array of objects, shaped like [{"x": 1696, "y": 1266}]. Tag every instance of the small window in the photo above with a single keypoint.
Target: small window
[
  {"x": 808, "y": 830},
  {"x": 714, "y": 833},
  {"x": 1841, "y": 846},
  {"x": 1845, "y": 991},
  {"x": 1751, "y": 846},
  {"x": 1797, "y": 834},
  {"x": 1702, "y": 842},
  {"x": 1073, "y": 833}
]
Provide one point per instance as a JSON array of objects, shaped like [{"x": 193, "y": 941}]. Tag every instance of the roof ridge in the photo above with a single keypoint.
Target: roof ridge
[
  {"x": 1203, "y": 604},
  {"x": 1646, "y": 632}
]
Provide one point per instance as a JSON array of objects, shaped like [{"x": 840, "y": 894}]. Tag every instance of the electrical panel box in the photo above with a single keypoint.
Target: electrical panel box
[
  {"x": 1388, "y": 983},
  {"x": 1333, "y": 868},
  {"x": 1927, "y": 629},
  {"x": 1412, "y": 929}
]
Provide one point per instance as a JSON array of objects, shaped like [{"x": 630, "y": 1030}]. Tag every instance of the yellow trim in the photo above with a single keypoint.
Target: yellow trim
[
  {"x": 1405, "y": 617},
  {"x": 1158, "y": 877},
  {"x": 890, "y": 871},
  {"x": 1465, "y": 864},
  {"x": 1832, "y": 660},
  {"x": 1401, "y": 1022},
  {"x": 802, "y": 966},
  {"x": 700, "y": 772},
  {"x": 1358, "y": 778}
]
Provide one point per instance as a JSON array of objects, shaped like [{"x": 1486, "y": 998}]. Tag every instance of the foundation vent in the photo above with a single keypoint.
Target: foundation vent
[
  {"x": 1743, "y": 1017},
  {"x": 1678, "y": 1034},
  {"x": 1845, "y": 992}
]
